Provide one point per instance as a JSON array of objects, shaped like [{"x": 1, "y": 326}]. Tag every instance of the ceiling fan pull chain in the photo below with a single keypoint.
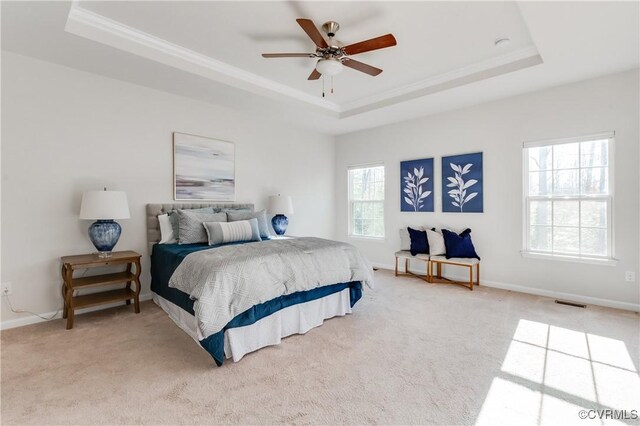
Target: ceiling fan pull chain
[
  {"x": 323, "y": 86},
  {"x": 332, "y": 84}
]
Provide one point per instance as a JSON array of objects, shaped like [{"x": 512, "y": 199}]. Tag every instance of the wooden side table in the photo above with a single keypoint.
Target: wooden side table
[{"x": 87, "y": 261}]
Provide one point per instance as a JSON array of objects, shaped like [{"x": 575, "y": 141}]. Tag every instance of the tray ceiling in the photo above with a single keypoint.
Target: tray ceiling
[
  {"x": 445, "y": 57},
  {"x": 435, "y": 39}
]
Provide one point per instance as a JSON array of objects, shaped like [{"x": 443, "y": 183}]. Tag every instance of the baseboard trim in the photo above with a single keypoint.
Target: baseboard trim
[
  {"x": 383, "y": 266},
  {"x": 588, "y": 300},
  {"x": 635, "y": 307},
  {"x": 29, "y": 319}
]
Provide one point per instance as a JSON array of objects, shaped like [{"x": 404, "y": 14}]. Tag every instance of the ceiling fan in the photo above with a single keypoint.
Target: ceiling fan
[{"x": 333, "y": 55}]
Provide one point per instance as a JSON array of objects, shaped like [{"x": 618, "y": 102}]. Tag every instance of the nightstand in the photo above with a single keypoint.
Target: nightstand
[{"x": 88, "y": 261}]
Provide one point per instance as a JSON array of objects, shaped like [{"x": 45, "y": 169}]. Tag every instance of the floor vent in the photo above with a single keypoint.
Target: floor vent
[{"x": 575, "y": 305}]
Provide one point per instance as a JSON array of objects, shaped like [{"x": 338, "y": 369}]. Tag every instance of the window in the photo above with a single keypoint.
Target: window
[
  {"x": 568, "y": 197},
  {"x": 366, "y": 201}
]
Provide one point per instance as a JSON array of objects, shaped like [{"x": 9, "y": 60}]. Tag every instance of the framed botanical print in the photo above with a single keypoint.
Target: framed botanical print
[
  {"x": 416, "y": 185},
  {"x": 462, "y": 190}
]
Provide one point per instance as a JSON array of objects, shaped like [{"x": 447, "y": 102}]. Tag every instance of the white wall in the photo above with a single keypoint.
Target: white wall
[
  {"x": 66, "y": 131},
  {"x": 498, "y": 129}
]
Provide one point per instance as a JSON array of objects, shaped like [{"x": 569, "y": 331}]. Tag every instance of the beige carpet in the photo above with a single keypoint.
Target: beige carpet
[{"x": 411, "y": 353}]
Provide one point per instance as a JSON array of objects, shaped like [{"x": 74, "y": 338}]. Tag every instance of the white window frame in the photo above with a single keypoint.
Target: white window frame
[
  {"x": 350, "y": 202},
  {"x": 608, "y": 259}
]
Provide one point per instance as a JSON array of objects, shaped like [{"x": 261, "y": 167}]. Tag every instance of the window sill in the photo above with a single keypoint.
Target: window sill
[
  {"x": 566, "y": 258},
  {"x": 369, "y": 239}
]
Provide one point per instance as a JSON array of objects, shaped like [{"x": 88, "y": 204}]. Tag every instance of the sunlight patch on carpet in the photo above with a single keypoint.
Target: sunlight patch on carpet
[{"x": 550, "y": 373}]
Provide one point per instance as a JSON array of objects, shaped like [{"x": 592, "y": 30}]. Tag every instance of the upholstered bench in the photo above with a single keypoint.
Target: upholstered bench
[
  {"x": 438, "y": 261},
  {"x": 406, "y": 255}
]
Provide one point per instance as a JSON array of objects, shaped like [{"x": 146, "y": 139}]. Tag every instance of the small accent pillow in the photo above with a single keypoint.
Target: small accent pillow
[
  {"x": 419, "y": 243},
  {"x": 261, "y": 216},
  {"x": 190, "y": 225},
  {"x": 405, "y": 239},
  {"x": 436, "y": 243},
  {"x": 230, "y": 232},
  {"x": 173, "y": 218},
  {"x": 166, "y": 231},
  {"x": 459, "y": 245}
]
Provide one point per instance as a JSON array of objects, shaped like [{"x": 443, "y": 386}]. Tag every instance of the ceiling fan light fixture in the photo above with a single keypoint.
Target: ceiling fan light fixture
[{"x": 329, "y": 67}]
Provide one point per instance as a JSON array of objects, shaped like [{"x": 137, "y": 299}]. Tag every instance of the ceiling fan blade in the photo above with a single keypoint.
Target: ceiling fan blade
[
  {"x": 288, "y": 55},
  {"x": 371, "y": 44},
  {"x": 312, "y": 31},
  {"x": 314, "y": 75},
  {"x": 362, "y": 67}
]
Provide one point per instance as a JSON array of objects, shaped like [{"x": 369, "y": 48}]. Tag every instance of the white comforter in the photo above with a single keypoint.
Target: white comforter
[{"x": 226, "y": 281}]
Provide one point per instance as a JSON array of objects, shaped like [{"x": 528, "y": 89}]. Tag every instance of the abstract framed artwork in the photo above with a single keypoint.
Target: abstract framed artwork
[
  {"x": 462, "y": 190},
  {"x": 203, "y": 168},
  {"x": 416, "y": 185}
]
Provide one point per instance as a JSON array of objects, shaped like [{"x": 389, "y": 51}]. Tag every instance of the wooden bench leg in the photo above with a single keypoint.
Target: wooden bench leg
[
  {"x": 425, "y": 277},
  {"x": 436, "y": 276}
]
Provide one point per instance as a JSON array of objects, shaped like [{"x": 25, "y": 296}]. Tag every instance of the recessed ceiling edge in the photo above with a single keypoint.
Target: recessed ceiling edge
[{"x": 98, "y": 28}]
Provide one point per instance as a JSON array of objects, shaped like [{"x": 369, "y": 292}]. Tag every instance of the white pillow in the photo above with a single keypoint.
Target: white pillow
[
  {"x": 405, "y": 239},
  {"x": 166, "y": 230},
  {"x": 436, "y": 243}
]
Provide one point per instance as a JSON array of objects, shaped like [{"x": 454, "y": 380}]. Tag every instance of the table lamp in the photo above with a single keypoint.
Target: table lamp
[
  {"x": 104, "y": 207},
  {"x": 280, "y": 205}
]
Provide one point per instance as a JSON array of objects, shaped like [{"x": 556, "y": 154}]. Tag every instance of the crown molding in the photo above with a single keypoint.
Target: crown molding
[
  {"x": 492, "y": 67},
  {"x": 90, "y": 25},
  {"x": 87, "y": 24}
]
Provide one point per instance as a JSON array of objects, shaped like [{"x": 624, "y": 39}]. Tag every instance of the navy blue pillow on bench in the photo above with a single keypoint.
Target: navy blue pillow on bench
[
  {"x": 459, "y": 245},
  {"x": 419, "y": 242}
]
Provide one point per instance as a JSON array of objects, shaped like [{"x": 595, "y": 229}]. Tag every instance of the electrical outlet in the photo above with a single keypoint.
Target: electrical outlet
[
  {"x": 7, "y": 289},
  {"x": 630, "y": 276}
]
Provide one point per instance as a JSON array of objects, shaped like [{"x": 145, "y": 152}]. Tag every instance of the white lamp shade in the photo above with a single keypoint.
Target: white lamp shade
[
  {"x": 329, "y": 67},
  {"x": 280, "y": 204},
  {"x": 104, "y": 205}
]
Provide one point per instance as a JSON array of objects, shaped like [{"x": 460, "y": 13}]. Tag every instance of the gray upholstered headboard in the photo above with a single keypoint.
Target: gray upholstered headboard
[{"x": 153, "y": 210}]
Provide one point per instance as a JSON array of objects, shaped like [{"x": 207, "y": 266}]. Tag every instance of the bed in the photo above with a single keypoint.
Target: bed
[{"x": 236, "y": 298}]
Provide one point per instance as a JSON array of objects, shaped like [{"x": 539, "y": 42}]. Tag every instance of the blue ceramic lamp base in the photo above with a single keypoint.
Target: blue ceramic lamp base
[
  {"x": 104, "y": 234},
  {"x": 279, "y": 223}
]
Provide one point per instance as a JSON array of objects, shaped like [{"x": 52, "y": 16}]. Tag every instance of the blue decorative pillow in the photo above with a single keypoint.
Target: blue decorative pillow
[
  {"x": 419, "y": 242},
  {"x": 459, "y": 245}
]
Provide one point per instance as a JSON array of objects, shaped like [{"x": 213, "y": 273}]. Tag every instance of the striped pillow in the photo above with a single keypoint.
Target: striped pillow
[{"x": 230, "y": 232}]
